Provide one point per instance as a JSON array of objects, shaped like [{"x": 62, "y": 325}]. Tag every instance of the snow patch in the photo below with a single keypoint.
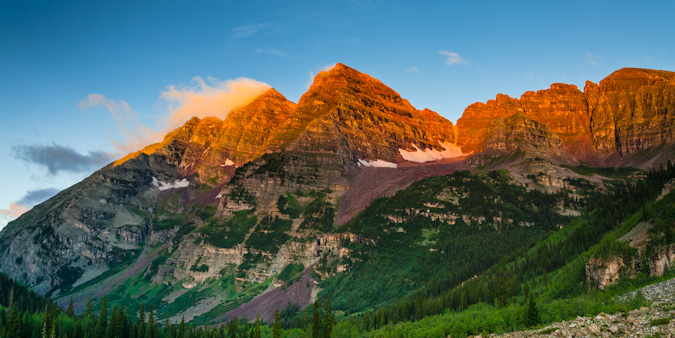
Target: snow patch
[
  {"x": 155, "y": 182},
  {"x": 427, "y": 155},
  {"x": 229, "y": 162},
  {"x": 177, "y": 184},
  {"x": 220, "y": 194},
  {"x": 376, "y": 164}
]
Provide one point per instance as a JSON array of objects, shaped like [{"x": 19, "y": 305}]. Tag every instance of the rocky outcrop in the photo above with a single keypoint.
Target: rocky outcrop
[
  {"x": 647, "y": 321},
  {"x": 96, "y": 222},
  {"x": 520, "y": 137},
  {"x": 662, "y": 261},
  {"x": 601, "y": 273},
  {"x": 345, "y": 108},
  {"x": 629, "y": 111}
]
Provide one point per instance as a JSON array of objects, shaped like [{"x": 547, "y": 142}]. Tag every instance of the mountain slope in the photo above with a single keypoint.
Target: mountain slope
[
  {"x": 630, "y": 111},
  {"x": 223, "y": 210}
]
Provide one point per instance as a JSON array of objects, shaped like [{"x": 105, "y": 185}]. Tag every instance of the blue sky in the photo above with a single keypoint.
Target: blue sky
[{"x": 78, "y": 78}]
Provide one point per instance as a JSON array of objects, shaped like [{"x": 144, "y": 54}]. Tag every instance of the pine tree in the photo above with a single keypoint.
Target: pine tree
[
  {"x": 140, "y": 323},
  {"x": 150, "y": 326},
  {"x": 316, "y": 321},
  {"x": 70, "y": 312},
  {"x": 329, "y": 320},
  {"x": 89, "y": 309},
  {"x": 256, "y": 329},
  {"x": 181, "y": 328},
  {"x": 233, "y": 327},
  {"x": 276, "y": 326},
  {"x": 532, "y": 314},
  {"x": 14, "y": 327}
]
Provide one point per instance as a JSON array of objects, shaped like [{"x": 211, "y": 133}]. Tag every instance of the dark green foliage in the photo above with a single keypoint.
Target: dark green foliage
[
  {"x": 250, "y": 260},
  {"x": 660, "y": 321},
  {"x": 319, "y": 214},
  {"x": 270, "y": 234},
  {"x": 231, "y": 232},
  {"x": 20, "y": 297},
  {"x": 207, "y": 212},
  {"x": 423, "y": 254},
  {"x": 276, "y": 326},
  {"x": 184, "y": 230},
  {"x": 618, "y": 172},
  {"x": 68, "y": 276},
  {"x": 290, "y": 271},
  {"x": 316, "y": 329},
  {"x": 168, "y": 223},
  {"x": 532, "y": 314},
  {"x": 289, "y": 205},
  {"x": 200, "y": 268}
]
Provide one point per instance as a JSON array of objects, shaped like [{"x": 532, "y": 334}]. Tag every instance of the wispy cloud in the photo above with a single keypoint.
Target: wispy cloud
[
  {"x": 34, "y": 197},
  {"x": 272, "y": 51},
  {"x": 18, "y": 208},
  {"x": 57, "y": 158},
  {"x": 136, "y": 135},
  {"x": 593, "y": 59},
  {"x": 529, "y": 75},
  {"x": 313, "y": 74},
  {"x": 210, "y": 97},
  {"x": 246, "y": 31},
  {"x": 452, "y": 58},
  {"x": 412, "y": 69}
]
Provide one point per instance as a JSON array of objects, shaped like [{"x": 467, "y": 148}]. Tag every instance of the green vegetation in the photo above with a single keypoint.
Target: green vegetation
[
  {"x": 270, "y": 234},
  {"x": 660, "y": 321},
  {"x": 610, "y": 172},
  {"x": 231, "y": 232},
  {"x": 289, "y": 205},
  {"x": 290, "y": 271},
  {"x": 395, "y": 264},
  {"x": 319, "y": 214}
]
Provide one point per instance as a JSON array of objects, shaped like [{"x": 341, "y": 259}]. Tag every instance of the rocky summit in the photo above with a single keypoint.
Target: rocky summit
[{"x": 222, "y": 211}]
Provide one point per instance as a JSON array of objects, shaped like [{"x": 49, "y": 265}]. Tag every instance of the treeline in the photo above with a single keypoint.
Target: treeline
[
  {"x": 13, "y": 294},
  {"x": 508, "y": 279},
  {"x": 423, "y": 253},
  {"x": 119, "y": 322}
]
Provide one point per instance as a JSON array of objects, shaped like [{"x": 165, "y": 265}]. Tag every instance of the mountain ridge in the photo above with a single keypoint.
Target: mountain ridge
[{"x": 274, "y": 182}]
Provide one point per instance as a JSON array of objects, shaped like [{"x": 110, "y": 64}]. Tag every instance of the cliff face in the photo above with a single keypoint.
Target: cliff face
[
  {"x": 246, "y": 196},
  {"x": 632, "y": 109},
  {"x": 345, "y": 108},
  {"x": 271, "y": 147},
  {"x": 629, "y": 111}
]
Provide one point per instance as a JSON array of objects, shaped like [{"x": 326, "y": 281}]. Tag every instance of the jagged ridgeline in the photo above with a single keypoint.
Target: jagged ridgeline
[{"x": 352, "y": 194}]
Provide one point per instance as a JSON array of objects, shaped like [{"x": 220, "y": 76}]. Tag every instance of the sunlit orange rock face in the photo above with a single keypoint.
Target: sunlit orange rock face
[
  {"x": 630, "y": 110},
  {"x": 345, "y": 115},
  {"x": 347, "y": 108},
  {"x": 205, "y": 146}
]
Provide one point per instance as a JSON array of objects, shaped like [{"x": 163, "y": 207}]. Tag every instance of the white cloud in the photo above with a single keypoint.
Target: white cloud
[
  {"x": 528, "y": 75},
  {"x": 246, "y": 31},
  {"x": 412, "y": 69},
  {"x": 313, "y": 74},
  {"x": 593, "y": 59},
  {"x": 210, "y": 97},
  {"x": 136, "y": 134},
  {"x": 272, "y": 51},
  {"x": 452, "y": 58}
]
